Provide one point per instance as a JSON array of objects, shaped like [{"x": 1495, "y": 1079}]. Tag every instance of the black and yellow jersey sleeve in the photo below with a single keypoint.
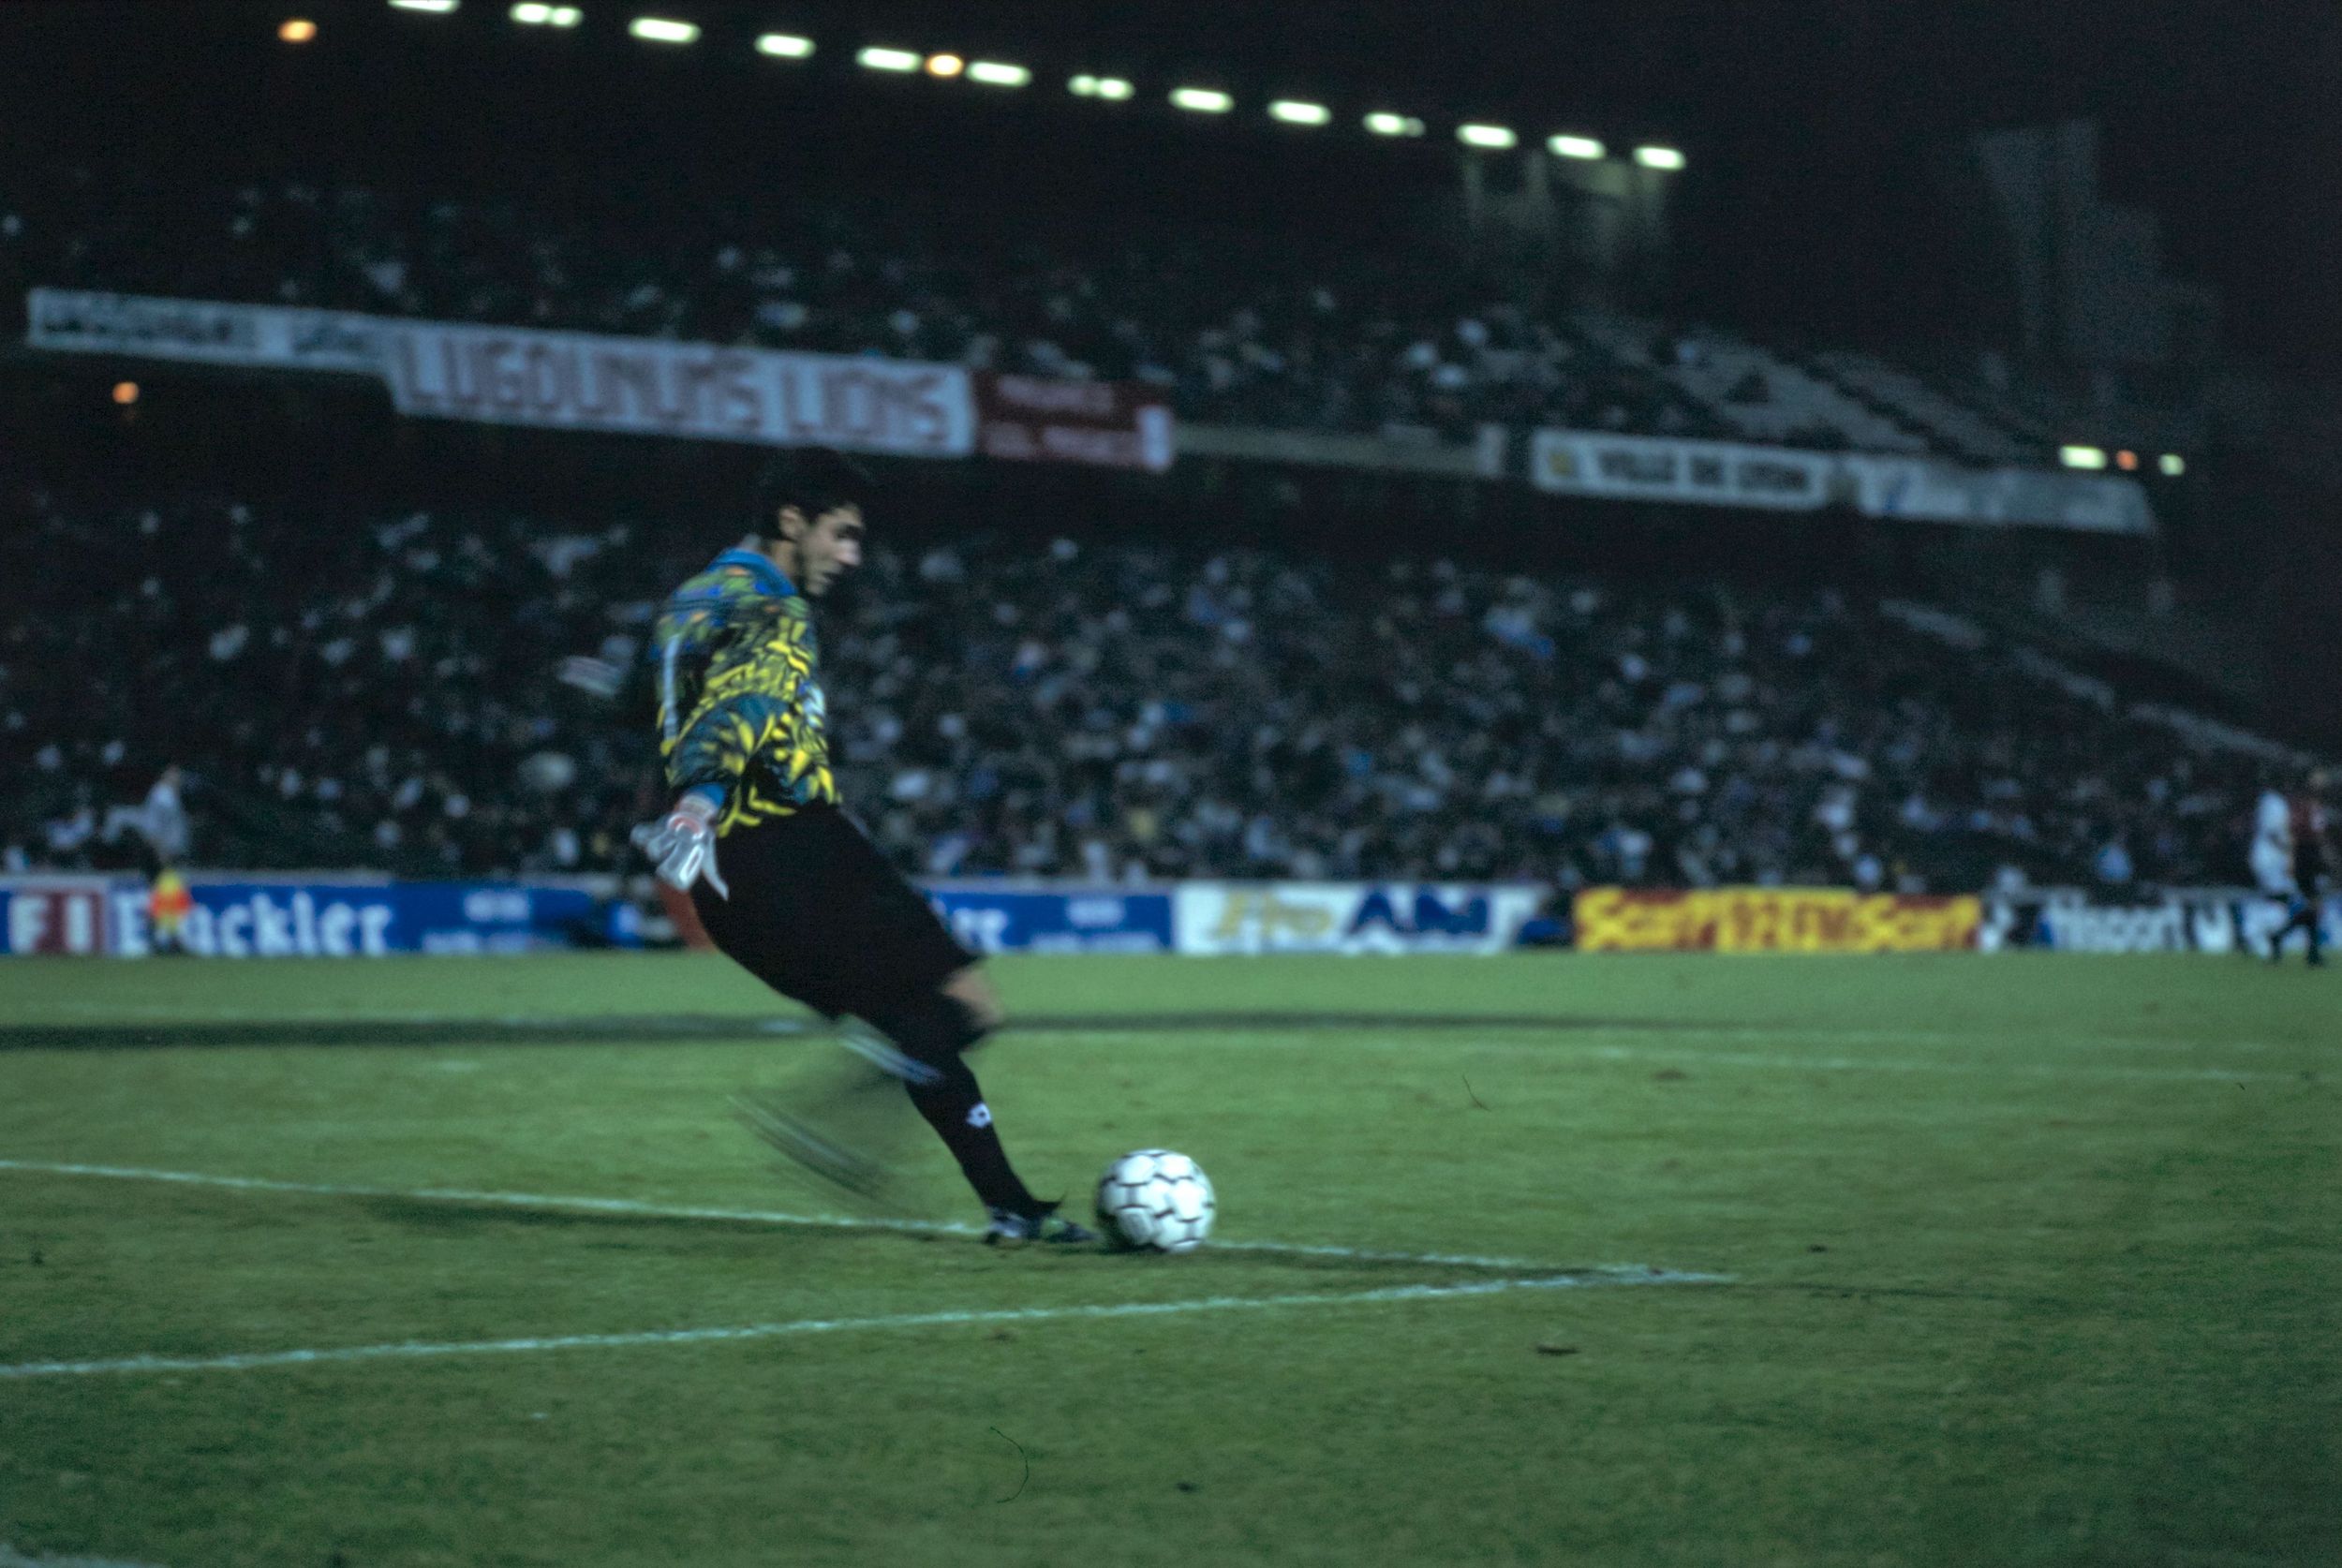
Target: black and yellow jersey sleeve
[{"x": 740, "y": 704}]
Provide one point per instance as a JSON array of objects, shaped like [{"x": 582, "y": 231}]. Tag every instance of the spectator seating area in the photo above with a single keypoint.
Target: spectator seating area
[
  {"x": 1950, "y": 425},
  {"x": 438, "y": 694},
  {"x": 1245, "y": 329}
]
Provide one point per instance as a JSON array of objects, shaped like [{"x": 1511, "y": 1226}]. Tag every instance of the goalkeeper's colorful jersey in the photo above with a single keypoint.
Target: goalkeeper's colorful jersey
[{"x": 739, "y": 708}]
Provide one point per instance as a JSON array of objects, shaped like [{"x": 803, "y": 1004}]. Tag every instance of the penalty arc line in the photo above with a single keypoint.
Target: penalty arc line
[
  {"x": 424, "y": 1350},
  {"x": 1768, "y": 1062},
  {"x": 630, "y": 1207}
]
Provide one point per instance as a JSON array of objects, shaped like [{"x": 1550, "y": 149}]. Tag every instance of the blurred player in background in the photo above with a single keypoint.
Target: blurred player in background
[
  {"x": 786, "y": 883},
  {"x": 2292, "y": 860},
  {"x": 168, "y": 905}
]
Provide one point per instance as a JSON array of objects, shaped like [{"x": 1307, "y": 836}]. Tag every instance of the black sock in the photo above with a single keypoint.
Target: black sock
[{"x": 955, "y": 1107}]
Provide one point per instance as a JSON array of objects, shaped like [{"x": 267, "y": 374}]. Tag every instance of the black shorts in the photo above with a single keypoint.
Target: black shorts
[{"x": 817, "y": 913}]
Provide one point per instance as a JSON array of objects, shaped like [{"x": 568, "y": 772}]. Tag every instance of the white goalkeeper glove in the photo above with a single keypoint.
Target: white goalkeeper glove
[{"x": 683, "y": 847}]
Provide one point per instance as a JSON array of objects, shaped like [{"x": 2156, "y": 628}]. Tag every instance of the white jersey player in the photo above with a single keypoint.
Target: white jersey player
[{"x": 2272, "y": 854}]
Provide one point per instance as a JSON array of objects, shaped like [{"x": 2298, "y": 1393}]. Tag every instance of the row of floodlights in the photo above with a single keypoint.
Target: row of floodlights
[
  {"x": 1000, "y": 73},
  {"x": 2075, "y": 456}
]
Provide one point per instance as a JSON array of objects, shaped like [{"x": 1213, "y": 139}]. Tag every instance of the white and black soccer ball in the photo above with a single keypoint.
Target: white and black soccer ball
[{"x": 1156, "y": 1201}]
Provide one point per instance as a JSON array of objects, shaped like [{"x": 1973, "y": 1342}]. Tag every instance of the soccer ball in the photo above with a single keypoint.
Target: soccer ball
[{"x": 1156, "y": 1201}]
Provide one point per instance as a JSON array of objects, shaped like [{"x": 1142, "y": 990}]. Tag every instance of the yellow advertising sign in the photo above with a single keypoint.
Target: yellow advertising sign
[{"x": 1773, "y": 920}]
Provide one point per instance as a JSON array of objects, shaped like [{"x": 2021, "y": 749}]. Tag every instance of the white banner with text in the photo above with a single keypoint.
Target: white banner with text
[
  {"x": 558, "y": 381},
  {"x": 1219, "y": 917},
  {"x": 1653, "y": 468},
  {"x": 262, "y": 336},
  {"x": 1778, "y": 478},
  {"x": 647, "y": 387}
]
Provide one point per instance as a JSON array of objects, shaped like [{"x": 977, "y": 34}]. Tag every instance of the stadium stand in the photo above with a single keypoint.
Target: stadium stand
[
  {"x": 1950, "y": 425},
  {"x": 430, "y": 692},
  {"x": 1243, "y": 329}
]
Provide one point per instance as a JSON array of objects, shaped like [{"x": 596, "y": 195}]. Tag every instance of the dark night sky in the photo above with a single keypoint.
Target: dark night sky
[
  {"x": 2222, "y": 116},
  {"x": 1807, "y": 120}
]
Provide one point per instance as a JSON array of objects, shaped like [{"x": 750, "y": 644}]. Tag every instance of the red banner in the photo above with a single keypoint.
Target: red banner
[{"x": 1112, "y": 425}]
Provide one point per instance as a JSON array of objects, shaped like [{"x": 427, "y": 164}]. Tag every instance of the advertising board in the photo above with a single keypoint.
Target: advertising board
[
  {"x": 1772, "y": 920},
  {"x": 1104, "y": 920},
  {"x": 1215, "y": 918}
]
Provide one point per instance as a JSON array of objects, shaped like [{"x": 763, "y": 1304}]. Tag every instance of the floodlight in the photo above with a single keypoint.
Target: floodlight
[
  {"x": 1293, "y": 113},
  {"x": 299, "y": 29},
  {"x": 879, "y": 59},
  {"x": 531, "y": 14},
  {"x": 2171, "y": 464},
  {"x": 784, "y": 46},
  {"x": 660, "y": 29},
  {"x": 997, "y": 73},
  {"x": 442, "y": 7},
  {"x": 2126, "y": 460},
  {"x": 125, "y": 393},
  {"x": 1486, "y": 135},
  {"x": 2081, "y": 457},
  {"x": 1575, "y": 147},
  {"x": 1383, "y": 123},
  {"x": 1202, "y": 100},
  {"x": 1659, "y": 157},
  {"x": 945, "y": 64}
]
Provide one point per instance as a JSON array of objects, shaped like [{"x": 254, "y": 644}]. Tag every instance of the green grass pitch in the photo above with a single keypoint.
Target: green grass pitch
[{"x": 2023, "y": 1260}]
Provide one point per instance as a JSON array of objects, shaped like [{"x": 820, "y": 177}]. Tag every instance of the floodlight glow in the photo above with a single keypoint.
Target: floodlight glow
[
  {"x": 298, "y": 30},
  {"x": 2171, "y": 464},
  {"x": 2081, "y": 457},
  {"x": 945, "y": 64},
  {"x": 530, "y": 14},
  {"x": 2126, "y": 460},
  {"x": 887, "y": 60},
  {"x": 785, "y": 46},
  {"x": 1295, "y": 113},
  {"x": 125, "y": 393},
  {"x": 442, "y": 7},
  {"x": 997, "y": 73},
  {"x": 1659, "y": 157},
  {"x": 1575, "y": 147},
  {"x": 660, "y": 29},
  {"x": 1202, "y": 100},
  {"x": 1486, "y": 135},
  {"x": 1383, "y": 123}
]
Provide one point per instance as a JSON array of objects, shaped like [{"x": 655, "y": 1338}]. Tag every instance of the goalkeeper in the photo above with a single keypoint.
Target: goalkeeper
[{"x": 787, "y": 884}]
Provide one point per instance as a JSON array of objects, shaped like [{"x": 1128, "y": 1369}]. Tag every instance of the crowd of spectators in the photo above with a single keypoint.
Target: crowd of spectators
[
  {"x": 450, "y": 694},
  {"x": 1241, "y": 327}
]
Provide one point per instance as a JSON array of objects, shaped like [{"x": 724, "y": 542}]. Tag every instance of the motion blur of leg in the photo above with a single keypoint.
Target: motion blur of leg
[
  {"x": 836, "y": 1129},
  {"x": 931, "y": 1033},
  {"x": 818, "y": 914},
  {"x": 838, "y": 1120}
]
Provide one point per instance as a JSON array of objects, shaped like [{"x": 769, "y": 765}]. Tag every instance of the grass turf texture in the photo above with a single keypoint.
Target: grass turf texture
[{"x": 2034, "y": 1260}]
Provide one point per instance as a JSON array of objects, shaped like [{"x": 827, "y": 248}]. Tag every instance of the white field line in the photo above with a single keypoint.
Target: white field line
[
  {"x": 11, "y": 1557},
  {"x": 741, "y": 1216},
  {"x": 412, "y": 1351},
  {"x": 1771, "y": 1060},
  {"x": 165, "y": 1012},
  {"x": 754, "y": 1024}
]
